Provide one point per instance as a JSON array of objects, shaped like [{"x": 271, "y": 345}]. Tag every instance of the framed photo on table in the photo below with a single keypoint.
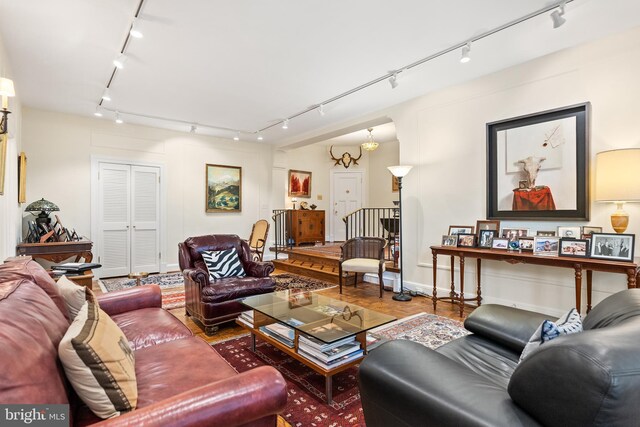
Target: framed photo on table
[
  {"x": 450, "y": 240},
  {"x": 549, "y": 151},
  {"x": 485, "y": 238},
  {"x": 569, "y": 232},
  {"x": 615, "y": 247},
  {"x": 461, "y": 229},
  {"x": 526, "y": 243},
  {"x": 500, "y": 243},
  {"x": 574, "y": 247},
  {"x": 514, "y": 233},
  {"x": 467, "y": 240},
  {"x": 546, "y": 245},
  {"x": 483, "y": 224}
]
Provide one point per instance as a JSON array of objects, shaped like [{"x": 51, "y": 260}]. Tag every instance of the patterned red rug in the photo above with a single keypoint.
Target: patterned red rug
[{"x": 306, "y": 404}]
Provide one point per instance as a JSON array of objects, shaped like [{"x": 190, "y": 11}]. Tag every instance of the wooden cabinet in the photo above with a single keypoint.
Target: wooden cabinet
[{"x": 305, "y": 226}]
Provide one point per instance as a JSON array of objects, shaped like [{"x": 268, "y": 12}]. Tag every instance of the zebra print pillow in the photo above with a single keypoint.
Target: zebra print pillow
[{"x": 223, "y": 264}]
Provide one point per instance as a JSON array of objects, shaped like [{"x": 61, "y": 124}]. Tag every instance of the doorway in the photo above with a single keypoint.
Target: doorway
[
  {"x": 126, "y": 217},
  {"x": 346, "y": 197}
]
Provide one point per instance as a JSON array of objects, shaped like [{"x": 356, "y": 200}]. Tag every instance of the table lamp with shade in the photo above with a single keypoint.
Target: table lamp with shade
[
  {"x": 399, "y": 172},
  {"x": 618, "y": 181},
  {"x": 44, "y": 207}
]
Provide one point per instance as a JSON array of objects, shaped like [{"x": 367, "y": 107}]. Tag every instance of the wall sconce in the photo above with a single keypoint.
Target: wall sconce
[
  {"x": 6, "y": 90},
  {"x": 618, "y": 181}
]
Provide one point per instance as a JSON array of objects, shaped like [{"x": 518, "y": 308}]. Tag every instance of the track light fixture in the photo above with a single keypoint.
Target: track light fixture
[
  {"x": 557, "y": 15},
  {"x": 321, "y": 110},
  {"x": 237, "y": 136},
  {"x": 193, "y": 129},
  {"x": 106, "y": 95},
  {"x": 466, "y": 50},
  {"x": 135, "y": 29},
  {"x": 393, "y": 80},
  {"x": 260, "y": 137},
  {"x": 285, "y": 124},
  {"x": 98, "y": 112},
  {"x": 120, "y": 61},
  {"x": 118, "y": 119}
]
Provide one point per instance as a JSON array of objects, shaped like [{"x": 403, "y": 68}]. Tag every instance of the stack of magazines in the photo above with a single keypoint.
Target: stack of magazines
[
  {"x": 73, "y": 268},
  {"x": 281, "y": 332},
  {"x": 329, "y": 355},
  {"x": 246, "y": 317}
]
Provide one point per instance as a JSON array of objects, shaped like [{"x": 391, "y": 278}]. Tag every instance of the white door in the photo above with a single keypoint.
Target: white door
[
  {"x": 347, "y": 198},
  {"x": 145, "y": 230},
  {"x": 114, "y": 218},
  {"x": 128, "y": 219}
]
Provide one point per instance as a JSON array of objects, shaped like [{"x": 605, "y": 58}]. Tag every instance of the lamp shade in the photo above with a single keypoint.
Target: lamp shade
[
  {"x": 43, "y": 206},
  {"x": 618, "y": 176},
  {"x": 399, "y": 171},
  {"x": 6, "y": 87}
]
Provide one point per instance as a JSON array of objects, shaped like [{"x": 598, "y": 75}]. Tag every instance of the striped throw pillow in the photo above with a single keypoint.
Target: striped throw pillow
[
  {"x": 221, "y": 264},
  {"x": 570, "y": 323}
]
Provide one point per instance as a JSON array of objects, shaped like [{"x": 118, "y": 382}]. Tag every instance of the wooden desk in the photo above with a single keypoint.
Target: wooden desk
[
  {"x": 577, "y": 264},
  {"x": 57, "y": 251}
]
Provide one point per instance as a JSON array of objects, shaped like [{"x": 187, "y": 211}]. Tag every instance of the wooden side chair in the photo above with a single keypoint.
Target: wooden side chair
[
  {"x": 258, "y": 239},
  {"x": 363, "y": 255}
]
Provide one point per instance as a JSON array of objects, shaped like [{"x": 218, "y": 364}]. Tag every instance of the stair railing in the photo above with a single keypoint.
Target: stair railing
[
  {"x": 373, "y": 222},
  {"x": 282, "y": 223}
]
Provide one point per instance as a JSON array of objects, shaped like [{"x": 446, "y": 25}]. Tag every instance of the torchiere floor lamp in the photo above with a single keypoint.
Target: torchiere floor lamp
[{"x": 399, "y": 172}]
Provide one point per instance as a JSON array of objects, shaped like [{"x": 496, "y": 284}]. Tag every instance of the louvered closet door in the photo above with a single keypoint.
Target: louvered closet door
[
  {"x": 114, "y": 183},
  {"x": 145, "y": 232}
]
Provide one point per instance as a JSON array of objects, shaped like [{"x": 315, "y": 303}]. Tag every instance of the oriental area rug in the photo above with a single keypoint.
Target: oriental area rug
[
  {"x": 306, "y": 405},
  {"x": 172, "y": 285}
]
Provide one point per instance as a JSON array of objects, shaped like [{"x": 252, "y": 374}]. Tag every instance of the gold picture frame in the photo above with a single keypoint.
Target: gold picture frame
[
  {"x": 223, "y": 188},
  {"x": 22, "y": 178},
  {"x": 299, "y": 183}
]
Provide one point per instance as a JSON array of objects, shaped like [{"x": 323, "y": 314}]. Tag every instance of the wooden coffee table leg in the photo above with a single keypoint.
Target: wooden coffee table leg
[
  {"x": 328, "y": 388},
  {"x": 461, "y": 286}
]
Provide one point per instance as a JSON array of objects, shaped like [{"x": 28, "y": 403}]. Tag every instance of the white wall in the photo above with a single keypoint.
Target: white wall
[
  {"x": 443, "y": 134},
  {"x": 60, "y": 148},
  {"x": 380, "y": 192},
  {"x": 9, "y": 207}
]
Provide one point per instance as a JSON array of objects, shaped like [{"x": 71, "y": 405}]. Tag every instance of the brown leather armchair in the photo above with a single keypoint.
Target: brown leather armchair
[{"x": 212, "y": 303}]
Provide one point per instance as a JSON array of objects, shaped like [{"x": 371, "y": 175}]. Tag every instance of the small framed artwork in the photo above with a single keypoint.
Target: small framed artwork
[
  {"x": 224, "y": 188},
  {"x": 500, "y": 243},
  {"x": 22, "y": 178},
  {"x": 574, "y": 247},
  {"x": 299, "y": 298},
  {"x": 394, "y": 184},
  {"x": 482, "y": 224},
  {"x": 526, "y": 243},
  {"x": 617, "y": 247},
  {"x": 466, "y": 240},
  {"x": 591, "y": 230},
  {"x": 450, "y": 240},
  {"x": 461, "y": 229},
  {"x": 586, "y": 236},
  {"x": 299, "y": 184},
  {"x": 547, "y": 233},
  {"x": 514, "y": 233},
  {"x": 569, "y": 232},
  {"x": 485, "y": 238},
  {"x": 546, "y": 245}
]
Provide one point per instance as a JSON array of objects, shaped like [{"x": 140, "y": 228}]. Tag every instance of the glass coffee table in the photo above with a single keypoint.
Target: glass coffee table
[{"x": 323, "y": 333}]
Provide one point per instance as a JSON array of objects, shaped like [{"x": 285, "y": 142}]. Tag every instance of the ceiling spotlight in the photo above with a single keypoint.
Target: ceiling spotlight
[
  {"x": 260, "y": 137},
  {"x": 135, "y": 29},
  {"x": 556, "y": 16},
  {"x": 98, "y": 112},
  {"x": 237, "y": 136},
  {"x": 466, "y": 49},
  {"x": 118, "y": 119},
  {"x": 193, "y": 129},
  {"x": 321, "y": 110},
  {"x": 285, "y": 124},
  {"x": 106, "y": 95},
  {"x": 393, "y": 80},
  {"x": 120, "y": 61}
]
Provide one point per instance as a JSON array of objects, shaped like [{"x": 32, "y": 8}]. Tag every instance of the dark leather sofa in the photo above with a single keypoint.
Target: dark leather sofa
[
  {"x": 590, "y": 378},
  {"x": 182, "y": 380},
  {"x": 213, "y": 303}
]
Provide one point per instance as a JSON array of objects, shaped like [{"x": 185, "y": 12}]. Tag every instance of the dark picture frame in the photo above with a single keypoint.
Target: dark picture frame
[
  {"x": 577, "y": 248},
  {"x": 561, "y": 138},
  {"x": 485, "y": 238},
  {"x": 466, "y": 240},
  {"x": 223, "y": 188},
  {"x": 599, "y": 246},
  {"x": 450, "y": 240},
  {"x": 299, "y": 184}
]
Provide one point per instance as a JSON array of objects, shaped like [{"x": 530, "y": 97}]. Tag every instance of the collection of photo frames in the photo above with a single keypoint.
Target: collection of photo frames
[{"x": 571, "y": 241}]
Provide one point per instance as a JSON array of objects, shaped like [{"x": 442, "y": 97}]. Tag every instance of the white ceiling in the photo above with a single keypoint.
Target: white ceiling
[{"x": 246, "y": 64}]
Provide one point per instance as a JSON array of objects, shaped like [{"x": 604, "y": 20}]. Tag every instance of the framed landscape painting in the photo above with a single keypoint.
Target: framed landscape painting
[
  {"x": 538, "y": 165},
  {"x": 223, "y": 188},
  {"x": 299, "y": 183}
]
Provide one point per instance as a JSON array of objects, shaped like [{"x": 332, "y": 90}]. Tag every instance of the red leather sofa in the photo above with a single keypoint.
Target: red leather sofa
[
  {"x": 212, "y": 303},
  {"x": 182, "y": 381}
]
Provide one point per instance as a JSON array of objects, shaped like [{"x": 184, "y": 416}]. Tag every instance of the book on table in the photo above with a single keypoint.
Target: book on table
[
  {"x": 331, "y": 354},
  {"x": 334, "y": 363},
  {"x": 76, "y": 266},
  {"x": 322, "y": 346}
]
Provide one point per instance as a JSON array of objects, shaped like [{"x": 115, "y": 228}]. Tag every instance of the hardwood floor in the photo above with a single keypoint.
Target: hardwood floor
[{"x": 365, "y": 295}]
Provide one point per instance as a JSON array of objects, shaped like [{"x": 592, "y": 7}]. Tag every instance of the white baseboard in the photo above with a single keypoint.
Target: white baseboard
[{"x": 173, "y": 267}]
